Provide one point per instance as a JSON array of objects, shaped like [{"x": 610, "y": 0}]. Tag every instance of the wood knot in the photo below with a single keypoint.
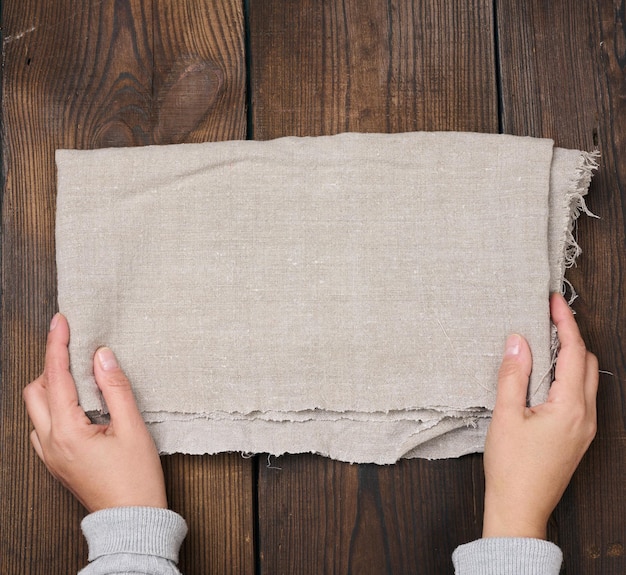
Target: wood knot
[
  {"x": 183, "y": 100},
  {"x": 119, "y": 134},
  {"x": 612, "y": 550},
  {"x": 594, "y": 552},
  {"x": 615, "y": 550}
]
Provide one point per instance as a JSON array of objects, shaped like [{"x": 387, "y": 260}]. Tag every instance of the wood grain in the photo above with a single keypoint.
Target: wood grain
[
  {"x": 322, "y": 516},
  {"x": 563, "y": 70},
  {"x": 88, "y": 75},
  {"x": 340, "y": 65},
  {"x": 199, "y": 72},
  {"x": 332, "y": 66}
]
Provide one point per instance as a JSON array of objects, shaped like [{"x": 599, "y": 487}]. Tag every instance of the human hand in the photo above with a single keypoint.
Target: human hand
[
  {"x": 532, "y": 453},
  {"x": 113, "y": 465}
]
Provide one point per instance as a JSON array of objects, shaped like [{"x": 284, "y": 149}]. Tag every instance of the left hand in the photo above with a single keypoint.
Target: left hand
[{"x": 113, "y": 465}]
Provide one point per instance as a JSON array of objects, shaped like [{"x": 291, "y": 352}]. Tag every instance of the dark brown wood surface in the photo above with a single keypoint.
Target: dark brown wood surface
[{"x": 87, "y": 74}]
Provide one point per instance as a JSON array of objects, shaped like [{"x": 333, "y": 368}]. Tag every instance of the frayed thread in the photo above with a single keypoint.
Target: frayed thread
[
  {"x": 568, "y": 291},
  {"x": 575, "y": 200}
]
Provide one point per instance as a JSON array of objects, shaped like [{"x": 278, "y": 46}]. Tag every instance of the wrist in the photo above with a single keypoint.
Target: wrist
[{"x": 508, "y": 522}]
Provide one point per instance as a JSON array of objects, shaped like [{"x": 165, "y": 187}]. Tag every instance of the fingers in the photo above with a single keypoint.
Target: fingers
[
  {"x": 571, "y": 363},
  {"x": 576, "y": 373},
  {"x": 513, "y": 375},
  {"x": 57, "y": 355},
  {"x": 49, "y": 395},
  {"x": 116, "y": 389},
  {"x": 62, "y": 395},
  {"x": 36, "y": 400}
]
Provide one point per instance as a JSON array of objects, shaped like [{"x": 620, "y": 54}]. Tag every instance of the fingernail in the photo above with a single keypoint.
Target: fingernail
[
  {"x": 107, "y": 359},
  {"x": 55, "y": 320},
  {"x": 512, "y": 345}
]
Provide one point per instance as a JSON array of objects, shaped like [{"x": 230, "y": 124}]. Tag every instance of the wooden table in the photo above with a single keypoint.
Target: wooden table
[{"x": 98, "y": 73}]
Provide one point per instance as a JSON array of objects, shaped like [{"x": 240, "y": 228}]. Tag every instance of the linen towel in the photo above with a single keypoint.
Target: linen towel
[{"x": 345, "y": 295}]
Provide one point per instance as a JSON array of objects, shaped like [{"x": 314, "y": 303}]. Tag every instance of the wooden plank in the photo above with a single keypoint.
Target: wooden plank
[
  {"x": 88, "y": 75},
  {"x": 564, "y": 76},
  {"x": 199, "y": 95},
  {"x": 322, "y": 67},
  {"x": 335, "y": 66},
  {"x": 199, "y": 71}
]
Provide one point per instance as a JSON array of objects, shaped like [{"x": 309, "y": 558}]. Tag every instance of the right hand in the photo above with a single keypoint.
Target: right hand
[{"x": 531, "y": 453}]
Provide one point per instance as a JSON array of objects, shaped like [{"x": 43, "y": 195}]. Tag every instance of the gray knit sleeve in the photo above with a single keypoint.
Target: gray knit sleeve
[
  {"x": 137, "y": 540},
  {"x": 507, "y": 556}
]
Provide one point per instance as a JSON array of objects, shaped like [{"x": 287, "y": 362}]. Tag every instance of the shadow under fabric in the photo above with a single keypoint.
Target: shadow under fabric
[{"x": 346, "y": 295}]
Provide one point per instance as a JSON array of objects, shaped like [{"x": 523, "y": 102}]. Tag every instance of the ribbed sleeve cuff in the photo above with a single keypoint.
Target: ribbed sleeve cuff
[
  {"x": 136, "y": 530},
  {"x": 507, "y": 556}
]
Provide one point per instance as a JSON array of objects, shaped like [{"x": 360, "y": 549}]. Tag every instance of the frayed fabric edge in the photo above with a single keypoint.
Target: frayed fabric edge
[
  {"x": 575, "y": 199},
  {"x": 575, "y": 204}
]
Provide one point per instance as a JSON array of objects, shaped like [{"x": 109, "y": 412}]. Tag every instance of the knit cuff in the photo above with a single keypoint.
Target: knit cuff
[
  {"x": 507, "y": 556},
  {"x": 136, "y": 530}
]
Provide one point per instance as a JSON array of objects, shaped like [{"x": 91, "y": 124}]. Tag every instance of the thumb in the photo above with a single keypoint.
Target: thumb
[
  {"x": 513, "y": 375},
  {"x": 115, "y": 388}
]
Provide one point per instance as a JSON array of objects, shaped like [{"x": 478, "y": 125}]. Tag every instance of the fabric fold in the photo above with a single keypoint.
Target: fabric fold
[{"x": 346, "y": 295}]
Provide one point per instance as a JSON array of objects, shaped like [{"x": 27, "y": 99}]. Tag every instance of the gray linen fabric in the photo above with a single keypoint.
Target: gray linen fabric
[{"x": 346, "y": 295}]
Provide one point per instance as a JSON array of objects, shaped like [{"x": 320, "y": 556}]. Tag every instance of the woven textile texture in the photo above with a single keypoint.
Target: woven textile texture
[{"x": 346, "y": 295}]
